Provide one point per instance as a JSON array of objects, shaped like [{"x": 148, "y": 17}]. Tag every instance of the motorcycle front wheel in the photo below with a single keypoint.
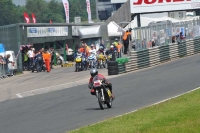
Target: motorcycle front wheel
[
  {"x": 109, "y": 103},
  {"x": 101, "y": 104}
]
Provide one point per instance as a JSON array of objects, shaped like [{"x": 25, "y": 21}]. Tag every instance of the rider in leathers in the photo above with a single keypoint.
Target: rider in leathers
[
  {"x": 81, "y": 55},
  {"x": 94, "y": 73}
]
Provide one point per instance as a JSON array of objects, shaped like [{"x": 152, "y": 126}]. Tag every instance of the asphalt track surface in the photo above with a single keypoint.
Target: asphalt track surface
[{"x": 68, "y": 109}]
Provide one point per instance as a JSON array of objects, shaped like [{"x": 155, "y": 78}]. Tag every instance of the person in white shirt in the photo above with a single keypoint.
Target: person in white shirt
[
  {"x": 30, "y": 54},
  {"x": 93, "y": 50}
]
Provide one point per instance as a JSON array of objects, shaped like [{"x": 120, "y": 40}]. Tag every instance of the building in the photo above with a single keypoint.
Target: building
[{"x": 107, "y": 7}]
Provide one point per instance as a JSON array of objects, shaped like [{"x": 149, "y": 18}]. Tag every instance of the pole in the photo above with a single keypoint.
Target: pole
[
  {"x": 139, "y": 27},
  {"x": 65, "y": 53},
  {"x": 97, "y": 14},
  {"x": 138, "y": 20},
  {"x": 54, "y": 56}
]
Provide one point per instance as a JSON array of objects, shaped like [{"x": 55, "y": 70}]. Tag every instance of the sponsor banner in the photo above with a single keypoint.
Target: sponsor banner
[
  {"x": 89, "y": 11},
  {"x": 46, "y": 31},
  {"x": 33, "y": 18},
  {"x": 26, "y": 17},
  {"x": 145, "y": 6},
  {"x": 66, "y": 7}
]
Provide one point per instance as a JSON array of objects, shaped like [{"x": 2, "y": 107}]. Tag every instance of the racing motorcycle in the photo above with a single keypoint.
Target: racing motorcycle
[
  {"x": 103, "y": 93},
  {"x": 84, "y": 64},
  {"x": 78, "y": 65},
  {"x": 101, "y": 60},
  {"x": 91, "y": 60}
]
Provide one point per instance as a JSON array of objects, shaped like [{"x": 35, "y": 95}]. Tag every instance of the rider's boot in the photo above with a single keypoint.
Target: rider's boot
[{"x": 113, "y": 97}]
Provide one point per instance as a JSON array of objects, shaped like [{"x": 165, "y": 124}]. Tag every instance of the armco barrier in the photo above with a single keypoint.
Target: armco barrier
[{"x": 154, "y": 56}]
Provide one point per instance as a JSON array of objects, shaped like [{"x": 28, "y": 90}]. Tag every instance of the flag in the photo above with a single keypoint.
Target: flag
[
  {"x": 33, "y": 18},
  {"x": 66, "y": 7},
  {"x": 26, "y": 17},
  {"x": 50, "y": 21},
  {"x": 89, "y": 11}
]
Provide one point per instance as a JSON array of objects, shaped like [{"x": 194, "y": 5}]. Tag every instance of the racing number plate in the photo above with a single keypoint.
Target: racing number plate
[{"x": 97, "y": 83}]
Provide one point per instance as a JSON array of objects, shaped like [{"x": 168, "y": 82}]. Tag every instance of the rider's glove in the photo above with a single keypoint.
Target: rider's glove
[{"x": 90, "y": 86}]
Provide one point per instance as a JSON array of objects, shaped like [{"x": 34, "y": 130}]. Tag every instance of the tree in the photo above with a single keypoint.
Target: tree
[
  {"x": 55, "y": 11},
  {"x": 39, "y": 8},
  {"x": 8, "y": 12},
  {"x": 44, "y": 11}
]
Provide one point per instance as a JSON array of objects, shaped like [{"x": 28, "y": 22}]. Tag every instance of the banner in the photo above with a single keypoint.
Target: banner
[
  {"x": 26, "y": 17},
  {"x": 89, "y": 11},
  {"x": 46, "y": 31},
  {"x": 33, "y": 18},
  {"x": 66, "y": 7}
]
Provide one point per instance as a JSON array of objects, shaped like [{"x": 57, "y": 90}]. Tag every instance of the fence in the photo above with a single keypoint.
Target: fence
[
  {"x": 164, "y": 33},
  {"x": 154, "y": 56},
  {"x": 5, "y": 72}
]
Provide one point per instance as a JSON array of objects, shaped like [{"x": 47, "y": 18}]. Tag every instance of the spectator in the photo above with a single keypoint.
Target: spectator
[
  {"x": 40, "y": 61},
  {"x": 51, "y": 50},
  {"x": 102, "y": 45},
  {"x": 107, "y": 44},
  {"x": 126, "y": 38},
  {"x": 119, "y": 46},
  {"x": 173, "y": 39},
  {"x": 30, "y": 57},
  {"x": 181, "y": 36},
  {"x": 6, "y": 58},
  {"x": 47, "y": 60},
  {"x": 153, "y": 43},
  {"x": 2, "y": 61}
]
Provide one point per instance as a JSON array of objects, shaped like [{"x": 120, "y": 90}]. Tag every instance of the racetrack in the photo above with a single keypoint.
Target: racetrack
[{"x": 68, "y": 109}]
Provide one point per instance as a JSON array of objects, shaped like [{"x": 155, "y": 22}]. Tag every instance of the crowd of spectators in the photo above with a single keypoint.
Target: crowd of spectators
[{"x": 38, "y": 60}]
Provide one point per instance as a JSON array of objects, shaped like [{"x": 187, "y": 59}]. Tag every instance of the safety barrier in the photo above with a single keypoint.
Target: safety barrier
[
  {"x": 157, "y": 55},
  {"x": 5, "y": 72}
]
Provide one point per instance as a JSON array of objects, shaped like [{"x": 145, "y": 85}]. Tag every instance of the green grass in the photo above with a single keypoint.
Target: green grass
[{"x": 179, "y": 115}]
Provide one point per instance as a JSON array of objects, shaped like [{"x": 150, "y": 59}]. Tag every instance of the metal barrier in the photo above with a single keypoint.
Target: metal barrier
[
  {"x": 159, "y": 54},
  {"x": 163, "y": 33},
  {"x": 5, "y": 72}
]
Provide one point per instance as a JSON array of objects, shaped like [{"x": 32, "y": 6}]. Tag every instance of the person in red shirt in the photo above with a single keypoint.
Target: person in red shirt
[{"x": 94, "y": 73}]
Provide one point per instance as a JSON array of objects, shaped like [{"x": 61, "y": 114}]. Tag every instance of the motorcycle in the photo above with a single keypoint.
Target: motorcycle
[
  {"x": 91, "y": 61},
  {"x": 103, "y": 93},
  {"x": 59, "y": 59},
  {"x": 78, "y": 65},
  {"x": 101, "y": 60},
  {"x": 84, "y": 64}
]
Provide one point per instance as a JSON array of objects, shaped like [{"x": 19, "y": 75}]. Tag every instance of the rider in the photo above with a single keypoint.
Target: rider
[
  {"x": 101, "y": 50},
  {"x": 93, "y": 51},
  {"x": 94, "y": 73},
  {"x": 81, "y": 55},
  {"x": 111, "y": 50}
]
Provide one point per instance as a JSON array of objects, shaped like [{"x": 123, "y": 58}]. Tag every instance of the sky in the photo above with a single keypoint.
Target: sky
[{"x": 22, "y": 2}]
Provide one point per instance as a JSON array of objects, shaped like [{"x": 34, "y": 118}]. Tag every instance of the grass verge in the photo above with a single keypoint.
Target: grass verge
[{"x": 178, "y": 115}]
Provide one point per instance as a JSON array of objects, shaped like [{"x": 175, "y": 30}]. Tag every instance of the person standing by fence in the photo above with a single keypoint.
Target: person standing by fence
[{"x": 126, "y": 38}]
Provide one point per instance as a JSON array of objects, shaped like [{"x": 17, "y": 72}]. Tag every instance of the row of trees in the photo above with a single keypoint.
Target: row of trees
[{"x": 44, "y": 11}]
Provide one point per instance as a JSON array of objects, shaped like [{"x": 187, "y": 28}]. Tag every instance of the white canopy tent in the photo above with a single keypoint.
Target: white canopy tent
[{"x": 114, "y": 29}]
